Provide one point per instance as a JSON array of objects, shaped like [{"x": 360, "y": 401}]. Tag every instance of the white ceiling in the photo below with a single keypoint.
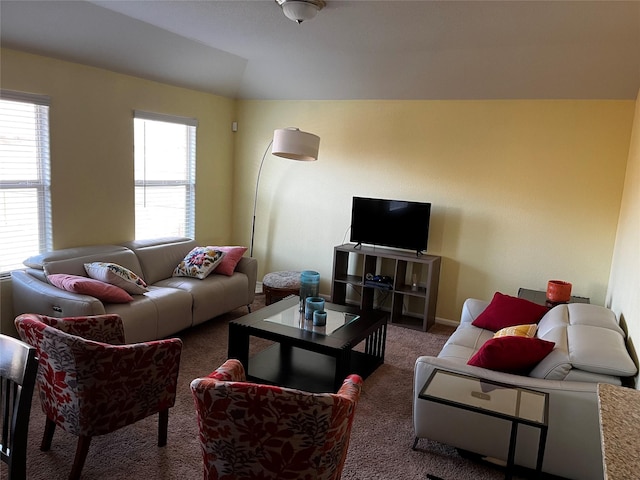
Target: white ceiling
[{"x": 357, "y": 49}]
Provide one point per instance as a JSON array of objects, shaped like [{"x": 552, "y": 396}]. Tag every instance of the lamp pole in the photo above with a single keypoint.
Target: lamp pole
[{"x": 255, "y": 197}]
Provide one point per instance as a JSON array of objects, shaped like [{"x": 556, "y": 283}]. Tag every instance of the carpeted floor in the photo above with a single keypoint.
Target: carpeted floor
[{"x": 380, "y": 442}]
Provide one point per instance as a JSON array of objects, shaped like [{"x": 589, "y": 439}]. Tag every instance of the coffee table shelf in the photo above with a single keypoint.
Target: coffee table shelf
[
  {"x": 302, "y": 369},
  {"x": 306, "y": 359}
]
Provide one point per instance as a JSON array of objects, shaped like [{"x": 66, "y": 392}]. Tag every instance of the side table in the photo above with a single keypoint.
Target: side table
[
  {"x": 540, "y": 297},
  {"x": 514, "y": 404}
]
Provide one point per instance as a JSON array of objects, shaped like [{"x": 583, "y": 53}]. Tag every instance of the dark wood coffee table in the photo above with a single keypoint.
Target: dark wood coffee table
[{"x": 315, "y": 359}]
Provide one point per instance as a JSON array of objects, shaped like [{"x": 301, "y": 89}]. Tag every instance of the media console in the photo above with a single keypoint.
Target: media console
[{"x": 412, "y": 295}]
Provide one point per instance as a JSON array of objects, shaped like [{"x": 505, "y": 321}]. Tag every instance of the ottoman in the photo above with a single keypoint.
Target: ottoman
[{"x": 278, "y": 285}]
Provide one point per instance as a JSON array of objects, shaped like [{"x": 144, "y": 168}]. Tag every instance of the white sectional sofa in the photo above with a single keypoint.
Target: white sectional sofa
[
  {"x": 589, "y": 349},
  {"x": 171, "y": 304}
]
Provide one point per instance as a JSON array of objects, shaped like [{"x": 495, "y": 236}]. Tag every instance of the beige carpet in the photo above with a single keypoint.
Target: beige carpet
[{"x": 380, "y": 442}]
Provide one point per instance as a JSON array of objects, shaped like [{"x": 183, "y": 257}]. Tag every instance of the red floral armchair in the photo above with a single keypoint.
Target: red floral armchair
[
  {"x": 253, "y": 431},
  {"x": 91, "y": 383}
]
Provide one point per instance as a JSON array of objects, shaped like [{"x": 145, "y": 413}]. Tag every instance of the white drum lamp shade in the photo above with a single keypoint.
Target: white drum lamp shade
[{"x": 295, "y": 144}]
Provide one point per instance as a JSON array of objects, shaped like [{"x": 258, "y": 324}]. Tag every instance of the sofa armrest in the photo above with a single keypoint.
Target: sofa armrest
[
  {"x": 249, "y": 266},
  {"x": 573, "y": 447},
  {"x": 471, "y": 308},
  {"x": 31, "y": 295}
]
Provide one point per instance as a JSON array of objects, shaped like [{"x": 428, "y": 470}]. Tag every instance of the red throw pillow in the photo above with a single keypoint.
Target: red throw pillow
[
  {"x": 230, "y": 260},
  {"x": 511, "y": 354},
  {"x": 104, "y": 292},
  {"x": 507, "y": 311}
]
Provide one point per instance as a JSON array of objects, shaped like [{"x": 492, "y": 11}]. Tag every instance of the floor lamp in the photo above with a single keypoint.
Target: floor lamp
[{"x": 291, "y": 143}]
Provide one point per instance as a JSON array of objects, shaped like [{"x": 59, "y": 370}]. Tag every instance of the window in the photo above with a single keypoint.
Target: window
[
  {"x": 165, "y": 151},
  {"x": 25, "y": 199}
]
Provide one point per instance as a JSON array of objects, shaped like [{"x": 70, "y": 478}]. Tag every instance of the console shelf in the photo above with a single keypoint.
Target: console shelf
[{"x": 411, "y": 300}]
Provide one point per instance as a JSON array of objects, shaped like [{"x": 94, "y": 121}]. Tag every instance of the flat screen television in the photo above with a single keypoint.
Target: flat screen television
[{"x": 390, "y": 223}]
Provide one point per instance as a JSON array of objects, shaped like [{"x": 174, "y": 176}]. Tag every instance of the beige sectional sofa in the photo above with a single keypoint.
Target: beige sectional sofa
[
  {"x": 589, "y": 349},
  {"x": 170, "y": 305}
]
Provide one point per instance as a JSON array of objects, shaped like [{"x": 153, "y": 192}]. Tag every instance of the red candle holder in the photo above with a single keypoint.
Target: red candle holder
[{"x": 558, "y": 291}]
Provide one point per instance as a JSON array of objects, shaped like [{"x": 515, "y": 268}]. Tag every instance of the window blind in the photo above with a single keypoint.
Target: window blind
[
  {"x": 164, "y": 147},
  {"x": 25, "y": 179}
]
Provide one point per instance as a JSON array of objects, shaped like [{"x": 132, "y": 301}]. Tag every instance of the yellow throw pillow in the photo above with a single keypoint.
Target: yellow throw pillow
[{"x": 518, "y": 331}]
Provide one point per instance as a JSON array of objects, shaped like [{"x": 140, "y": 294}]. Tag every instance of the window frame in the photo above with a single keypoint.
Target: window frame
[
  {"x": 42, "y": 184},
  {"x": 189, "y": 183}
]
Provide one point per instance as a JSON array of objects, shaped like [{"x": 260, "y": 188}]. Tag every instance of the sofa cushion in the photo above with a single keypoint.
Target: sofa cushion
[
  {"x": 594, "y": 315},
  {"x": 518, "y": 330},
  {"x": 158, "y": 257},
  {"x": 116, "y": 275},
  {"x": 511, "y": 354},
  {"x": 507, "y": 311},
  {"x": 199, "y": 263},
  {"x": 104, "y": 292},
  {"x": 465, "y": 342},
  {"x": 232, "y": 256},
  {"x": 556, "y": 365},
  {"x": 557, "y": 317},
  {"x": 56, "y": 262},
  {"x": 599, "y": 350},
  {"x": 38, "y": 261}
]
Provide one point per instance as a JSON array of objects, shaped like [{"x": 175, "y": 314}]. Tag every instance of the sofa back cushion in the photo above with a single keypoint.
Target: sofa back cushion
[
  {"x": 159, "y": 257},
  {"x": 599, "y": 350},
  {"x": 71, "y": 261},
  {"x": 587, "y": 338},
  {"x": 594, "y": 315},
  {"x": 556, "y": 365}
]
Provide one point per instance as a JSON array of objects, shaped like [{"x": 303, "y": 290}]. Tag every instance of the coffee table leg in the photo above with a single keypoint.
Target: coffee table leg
[{"x": 239, "y": 345}]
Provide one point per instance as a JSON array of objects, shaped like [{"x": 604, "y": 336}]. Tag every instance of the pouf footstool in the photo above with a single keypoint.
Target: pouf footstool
[{"x": 279, "y": 285}]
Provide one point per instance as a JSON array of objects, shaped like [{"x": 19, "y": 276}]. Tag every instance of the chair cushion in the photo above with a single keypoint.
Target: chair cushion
[
  {"x": 507, "y": 311},
  {"x": 286, "y": 280}
]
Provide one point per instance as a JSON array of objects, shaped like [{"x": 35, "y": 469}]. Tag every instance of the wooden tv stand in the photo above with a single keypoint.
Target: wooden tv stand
[{"x": 409, "y": 305}]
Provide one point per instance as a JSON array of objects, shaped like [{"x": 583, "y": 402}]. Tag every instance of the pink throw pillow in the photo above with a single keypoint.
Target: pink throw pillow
[
  {"x": 511, "y": 354},
  {"x": 230, "y": 260},
  {"x": 88, "y": 286},
  {"x": 507, "y": 311}
]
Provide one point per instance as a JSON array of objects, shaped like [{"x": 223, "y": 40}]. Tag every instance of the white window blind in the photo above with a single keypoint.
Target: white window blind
[
  {"x": 165, "y": 161},
  {"x": 25, "y": 199}
]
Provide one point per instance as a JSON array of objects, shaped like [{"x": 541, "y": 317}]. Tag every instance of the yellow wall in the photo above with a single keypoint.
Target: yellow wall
[
  {"x": 522, "y": 191},
  {"x": 91, "y": 122},
  {"x": 623, "y": 295}
]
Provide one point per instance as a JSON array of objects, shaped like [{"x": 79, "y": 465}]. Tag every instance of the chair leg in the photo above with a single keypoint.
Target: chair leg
[
  {"x": 163, "y": 426},
  {"x": 49, "y": 428},
  {"x": 81, "y": 455}
]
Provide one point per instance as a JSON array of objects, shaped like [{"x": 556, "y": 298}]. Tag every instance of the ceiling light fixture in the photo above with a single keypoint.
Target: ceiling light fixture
[{"x": 301, "y": 10}]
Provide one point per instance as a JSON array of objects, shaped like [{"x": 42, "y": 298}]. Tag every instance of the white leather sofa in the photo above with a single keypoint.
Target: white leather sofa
[
  {"x": 589, "y": 348},
  {"x": 171, "y": 304}
]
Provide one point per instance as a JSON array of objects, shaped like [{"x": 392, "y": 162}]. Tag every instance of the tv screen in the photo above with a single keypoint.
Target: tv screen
[{"x": 391, "y": 223}]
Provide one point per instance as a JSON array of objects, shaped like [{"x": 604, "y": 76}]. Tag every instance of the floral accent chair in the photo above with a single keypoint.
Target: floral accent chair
[
  {"x": 91, "y": 383},
  {"x": 253, "y": 431}
]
